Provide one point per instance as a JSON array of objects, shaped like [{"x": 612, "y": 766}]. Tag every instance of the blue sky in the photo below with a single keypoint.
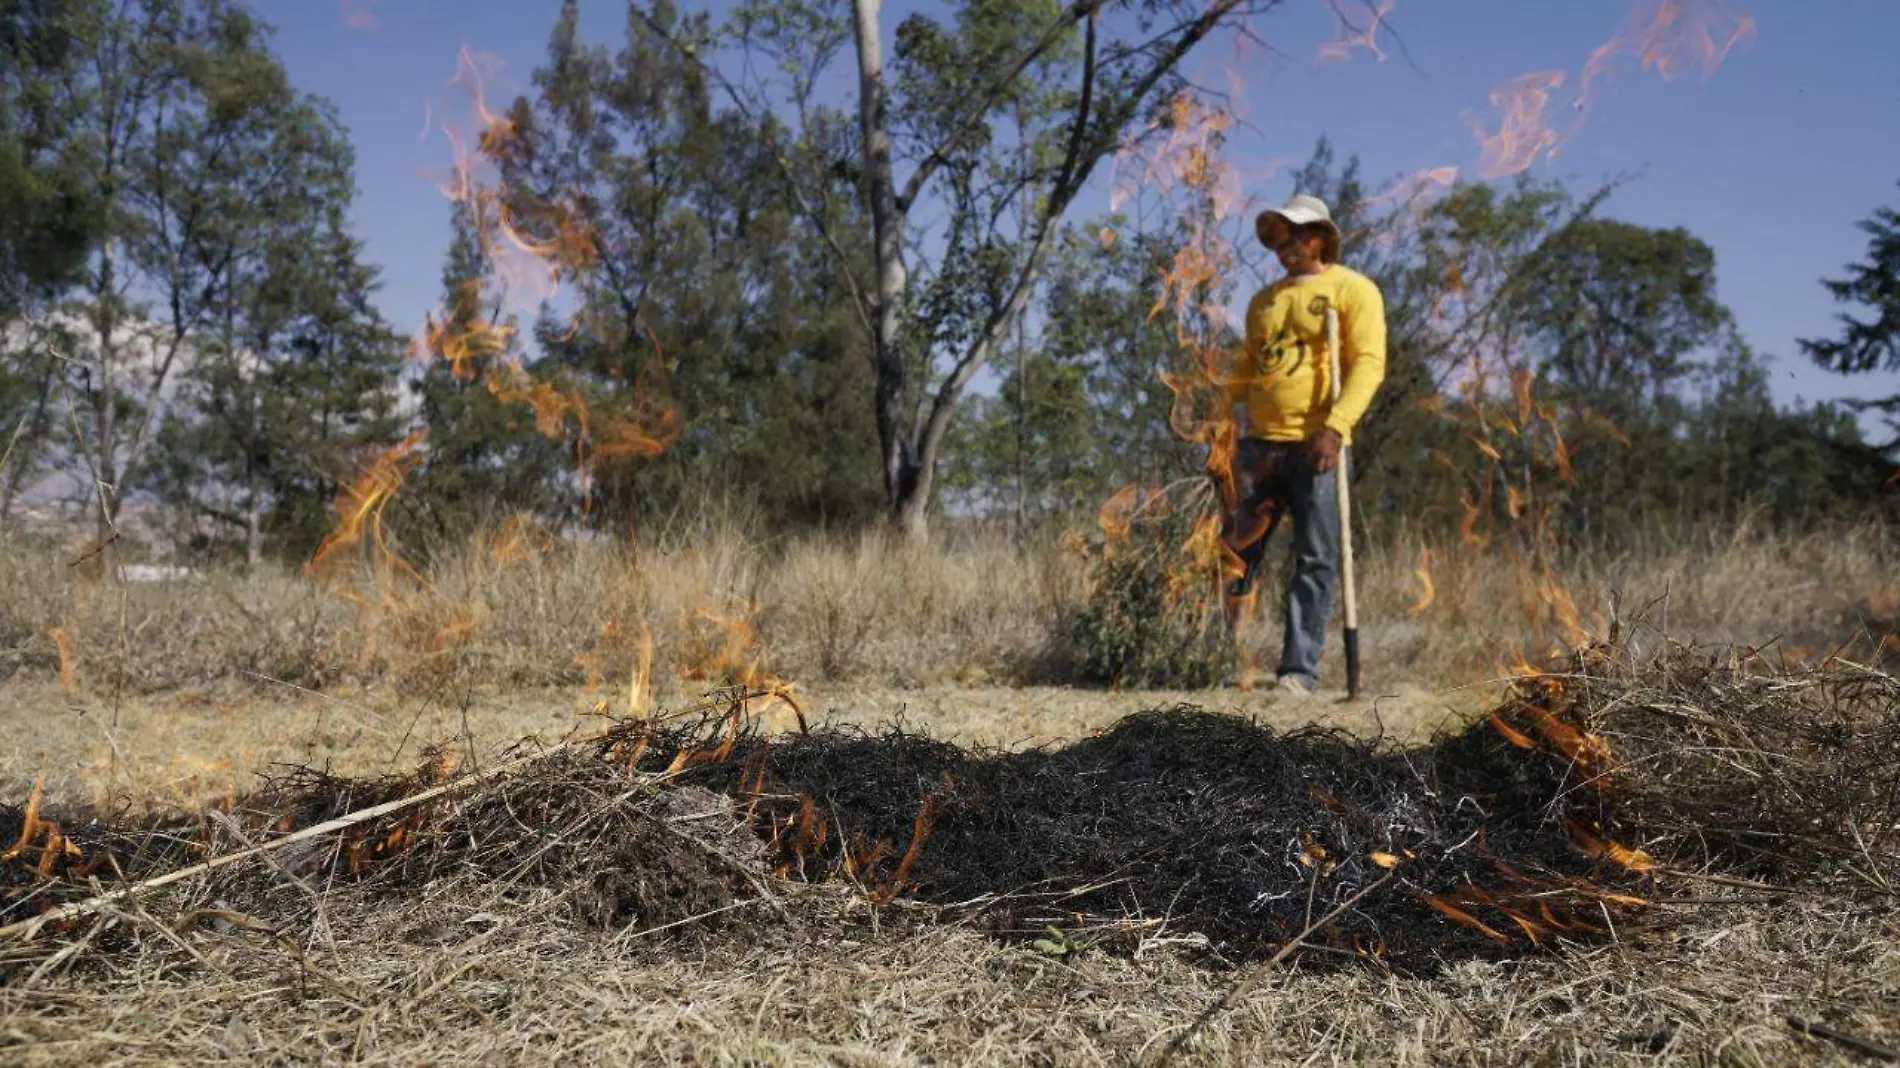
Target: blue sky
[{"x": 1772, "y": 159}]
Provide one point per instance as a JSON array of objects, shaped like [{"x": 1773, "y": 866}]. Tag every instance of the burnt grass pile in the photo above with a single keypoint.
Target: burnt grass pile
[{"x": 1564, "y": 814}]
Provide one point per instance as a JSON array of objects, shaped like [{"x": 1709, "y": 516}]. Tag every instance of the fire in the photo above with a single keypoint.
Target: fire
[
  {"x": 1351, "y": 37},
  {"x": 1536, "y": 907},
  {"x": 360, "y": 507},
  {"x": 729, "y": 658},
  {"x": 1182, "y": 155},
  {"x": 1426, "y": 591},
  {"x": 1522, "y": 134},
  {"x": 1673, "y": 37},
  {"x": 531, "y": 251},
  {"x": 1631, "y": 859},
  {"x": 68, "y": 660},
  {"x": 519, "y": 539},
  {"x": 53, "y": 845},
  {"x": 1413, "y": 193}
]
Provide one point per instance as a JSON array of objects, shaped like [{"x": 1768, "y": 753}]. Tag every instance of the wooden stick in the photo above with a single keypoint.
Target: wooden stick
[
  {"x": 1858, "y": 1045},
  {"x": 1351, "y": 636}
]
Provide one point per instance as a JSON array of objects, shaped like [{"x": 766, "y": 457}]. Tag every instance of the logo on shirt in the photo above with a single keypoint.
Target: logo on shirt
[{"x": 1285, "y": 354}]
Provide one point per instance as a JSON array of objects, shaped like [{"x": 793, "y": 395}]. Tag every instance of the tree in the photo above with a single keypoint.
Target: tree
[
  {"x": 485, "y": 459},
  {"x": 689, "y": 284},
  {"x": 1615, "y": 312},
  {"x": 49, "y": 219},
  {"x": 291, "y": 392},
  {"x": 49, "y": 222},
  {"x": 1873, "y": 343},
  {"x": 1003, "y": 112},
  {"x": 190, "y": 131}
]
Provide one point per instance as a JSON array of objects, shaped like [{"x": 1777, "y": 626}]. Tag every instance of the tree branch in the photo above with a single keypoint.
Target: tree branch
[
  {"x": 860, "y": 302},
  {"x": 977, "y": 115}
]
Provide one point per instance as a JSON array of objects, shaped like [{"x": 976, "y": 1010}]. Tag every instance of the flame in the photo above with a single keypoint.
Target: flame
[
  {"x": 1127, "y": 506},
  {"x": 68, "y": 660},
  {"x": 921, "y": 827},
  {"x": 519, "y": 539},
  {"x": 360, "y": 507},
  {"x": 1537, "y": 907},
  {"x": 529, "y": 249},
  {"x": 1522, "y": 134},
  {"x": 29, "y": 821},
  {"x": 729, "y": 658},
  {"x": 1415, "y": 193},
  {"x": 1426, "y": 591},
  {"x": 529, "y": 257},
  {"x": 640, "y": 683},
  {"x": 1672, "y": 37},
  {"x": 1351, "y": 37},
  {"x": 1593, "y": 845},
  {"x": 54, "y": 846}
]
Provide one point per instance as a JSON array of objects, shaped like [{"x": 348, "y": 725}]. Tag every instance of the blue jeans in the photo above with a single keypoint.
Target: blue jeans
[{"x": 1275, "y": 480}]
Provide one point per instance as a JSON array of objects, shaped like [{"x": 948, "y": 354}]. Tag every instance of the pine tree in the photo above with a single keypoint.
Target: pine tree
[{"x": 1869, "y": 344}]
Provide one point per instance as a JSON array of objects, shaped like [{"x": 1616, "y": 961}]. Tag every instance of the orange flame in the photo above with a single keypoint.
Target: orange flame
[
  {"x": 1427, "y": 592},
  {"x": 528, "y": 259},
  {"x": 1351, "y": 36},
  {"x": 919, "y": 833},
  {"x": 1670, "y": 36},
  {"x": 68, "y": 660},
  {"x": 54, "y": 846},
  {"x": 519, "y": 539},
  {"x": 1522, "y": 135},
  {"x": 360, "y": 507},
  {"x": 1634, "y": 860},
  {"x": 1673, "y": 37},
  {"x": 640, "y": 683}
]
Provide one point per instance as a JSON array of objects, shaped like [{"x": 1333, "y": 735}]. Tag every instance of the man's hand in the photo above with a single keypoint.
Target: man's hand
[{"x": 1324, "y": 450}]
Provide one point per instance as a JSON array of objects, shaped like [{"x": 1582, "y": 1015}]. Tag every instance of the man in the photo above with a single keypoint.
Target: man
[{"x": 1291, "y": 430}]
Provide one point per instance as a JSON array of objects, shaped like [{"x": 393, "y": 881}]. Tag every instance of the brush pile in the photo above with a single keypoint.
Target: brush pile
[{"x": 1560, "y": 815}]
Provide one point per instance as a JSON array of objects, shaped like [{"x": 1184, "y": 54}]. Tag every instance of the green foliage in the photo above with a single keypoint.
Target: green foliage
[
  {"x": 173, "y": 223},
  {"x": 1872, "y": 343},
  {"x": 49, "y": 216},
  {"x": 694, "y": 287},
  {"x": 1149, "y": 620}
]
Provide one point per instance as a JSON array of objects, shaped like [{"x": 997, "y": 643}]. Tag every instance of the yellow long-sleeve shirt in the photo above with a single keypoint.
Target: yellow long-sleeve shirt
[{"x": 1282, "y": 375}]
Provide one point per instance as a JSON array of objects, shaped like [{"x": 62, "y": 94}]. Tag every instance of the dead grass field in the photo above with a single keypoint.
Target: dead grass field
[{"x": 173, "y": 695}]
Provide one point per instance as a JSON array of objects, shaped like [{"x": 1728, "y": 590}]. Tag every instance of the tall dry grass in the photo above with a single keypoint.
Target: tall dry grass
[{"x": 720, "y": 602}]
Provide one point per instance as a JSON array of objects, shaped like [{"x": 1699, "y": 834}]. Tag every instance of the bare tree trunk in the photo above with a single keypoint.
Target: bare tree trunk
[
  {"x": 105, "y": 403},
  {"x": 254, "y": 524},
  {"x": 29, "y": 437},
  {"x": 902, "y": 488}
]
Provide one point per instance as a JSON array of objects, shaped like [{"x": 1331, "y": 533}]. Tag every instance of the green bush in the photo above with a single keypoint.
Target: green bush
[{"x": 1141, "y": 626}]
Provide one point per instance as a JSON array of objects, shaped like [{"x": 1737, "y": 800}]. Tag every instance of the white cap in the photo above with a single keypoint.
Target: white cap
[{"x": 1302, "y": 209}]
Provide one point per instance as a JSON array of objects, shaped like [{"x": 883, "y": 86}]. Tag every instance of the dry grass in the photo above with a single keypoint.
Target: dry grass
[
  {"x": 164, "y": 704},
  {"x": 869, "y": 610},
  {"x": 347, "y": 972},
  {"x": 385, "y": 988}
]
